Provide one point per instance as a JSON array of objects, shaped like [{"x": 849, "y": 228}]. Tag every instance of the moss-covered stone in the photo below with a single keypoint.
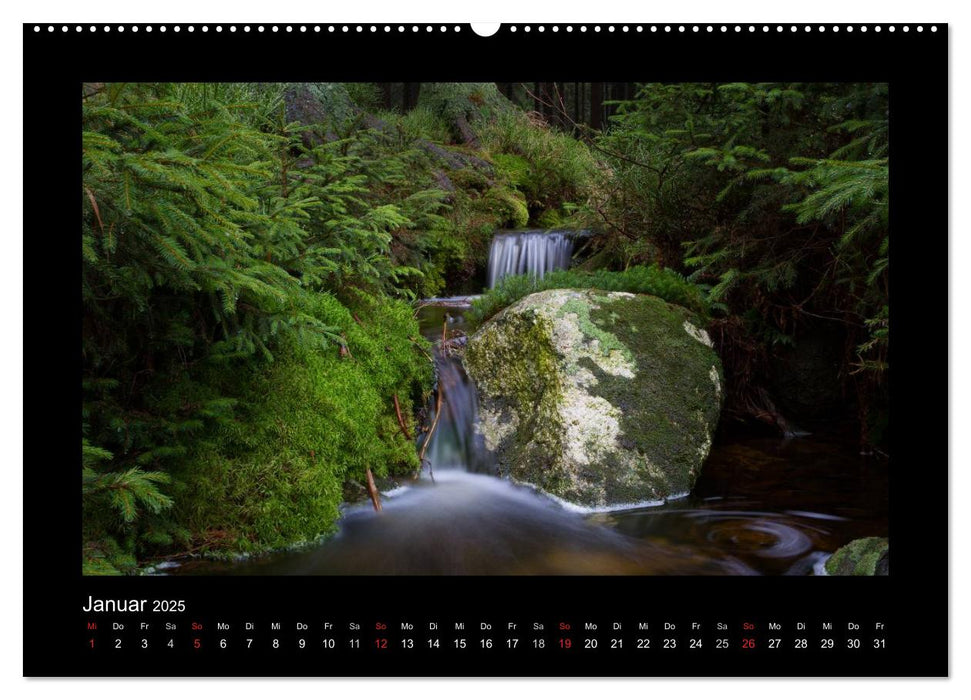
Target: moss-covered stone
[
  {"x": 599, "y": 398},
  {"x": 508, "y": 206},
  {"x": 461, "y": 105},
  {"x": 869, "y": 556}
]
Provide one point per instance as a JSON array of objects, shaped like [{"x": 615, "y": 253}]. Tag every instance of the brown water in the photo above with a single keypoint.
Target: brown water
[{"x": 761, "y": 506}]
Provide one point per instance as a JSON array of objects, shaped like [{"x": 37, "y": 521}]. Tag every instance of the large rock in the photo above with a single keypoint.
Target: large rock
[
  {"x": 320, "y": 107},
  {"x": 462, "y": 105},
  {"x": 598, "y": 398},
  {"x": 869, "y": 556}
]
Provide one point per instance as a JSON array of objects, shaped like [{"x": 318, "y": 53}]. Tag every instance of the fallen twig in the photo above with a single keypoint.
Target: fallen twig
[
  {"x": 431, "y": 431},
  {"x": 372, "y": 491},
  {"x": 401, "y": 420}
]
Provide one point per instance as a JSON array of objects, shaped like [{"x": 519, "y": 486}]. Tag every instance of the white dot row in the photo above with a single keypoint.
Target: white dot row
[
  {"x": 247, "y": 28},
  {"x": 695, "y": 28},
  {"x": 723, "y": 28}
]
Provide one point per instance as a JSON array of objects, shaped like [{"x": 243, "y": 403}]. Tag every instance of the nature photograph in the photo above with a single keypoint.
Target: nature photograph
[{"x": 461, "y": 329}]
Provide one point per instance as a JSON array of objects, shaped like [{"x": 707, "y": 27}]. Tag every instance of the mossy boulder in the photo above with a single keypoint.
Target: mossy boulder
[
  {"x": 869, "y": 556},
  {"x": 462, "y": 105},
  {"x": 598, "y": 398}
]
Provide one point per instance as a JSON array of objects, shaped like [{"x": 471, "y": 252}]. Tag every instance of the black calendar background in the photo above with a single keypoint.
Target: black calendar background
[{"x": 912, "y": 602}]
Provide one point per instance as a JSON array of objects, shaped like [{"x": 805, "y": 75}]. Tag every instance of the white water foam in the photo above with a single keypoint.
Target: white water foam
[
  {"x": 814, "y": 516},
  {"x": 396, "y": 491},
  {"x": 614, "y": 507},
  {"x": 819, "y": 566}
]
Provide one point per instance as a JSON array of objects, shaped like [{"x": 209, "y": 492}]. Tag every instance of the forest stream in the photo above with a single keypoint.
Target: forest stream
[{"x": 761, "y": 505}]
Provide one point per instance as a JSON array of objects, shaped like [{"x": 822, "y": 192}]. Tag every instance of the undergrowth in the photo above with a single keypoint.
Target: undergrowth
[{"x": 654, "y": 280}]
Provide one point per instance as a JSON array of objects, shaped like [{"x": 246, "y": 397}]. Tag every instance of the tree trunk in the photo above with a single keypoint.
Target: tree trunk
[
  {"x": 596, "y": 105},
  {"x": 549, "y": 108},
  {"x": 577, "y": 103},
  {"x": 411, "y": 95}
]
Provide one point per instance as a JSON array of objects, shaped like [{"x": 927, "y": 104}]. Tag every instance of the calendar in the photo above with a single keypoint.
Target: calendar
[{"x": 523, "y": 350}]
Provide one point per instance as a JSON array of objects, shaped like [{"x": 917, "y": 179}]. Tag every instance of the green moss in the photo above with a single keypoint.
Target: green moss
[
  {"x": 864, "y": 557},
  {"x": 509, "y": 207},
  {"x": 517, "y": 172},
  {"x": 513, "y": 168},
  {"x": 529, "y": 379},
  {"x": 272, "y": 476},
  {"x": 671, "y": 406},
  {"x": 548, "y": 166},
  {"x": 596, "y": 397},
  {"x": 528, "y": 391}
]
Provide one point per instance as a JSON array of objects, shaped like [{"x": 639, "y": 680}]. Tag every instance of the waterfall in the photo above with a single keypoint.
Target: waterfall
[
  {"x": 454, "y": 446},
  {"x": 535, "y": 252}
]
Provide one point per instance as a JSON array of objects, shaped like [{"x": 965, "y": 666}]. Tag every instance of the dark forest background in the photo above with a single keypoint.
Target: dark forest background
[{"x": 563, "y": 104}]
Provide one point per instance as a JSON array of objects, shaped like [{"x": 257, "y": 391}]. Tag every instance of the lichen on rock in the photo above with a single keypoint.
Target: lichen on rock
[
  {"x": 698, "y": 334},
  {"x": 598, "y": 398}
]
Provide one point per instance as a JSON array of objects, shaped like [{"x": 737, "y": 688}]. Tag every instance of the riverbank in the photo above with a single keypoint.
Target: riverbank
[
  {"x": 253, "y": 253},
  {"x": 762, "y": 505},
  {"x": 745, "y": 517}
]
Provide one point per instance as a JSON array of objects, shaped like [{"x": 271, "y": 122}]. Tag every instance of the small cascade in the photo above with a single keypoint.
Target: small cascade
[
  {"x": 454, "y": 445},
  {"x": 533, "y": 252},
  {"x": 459, "y": 519}
]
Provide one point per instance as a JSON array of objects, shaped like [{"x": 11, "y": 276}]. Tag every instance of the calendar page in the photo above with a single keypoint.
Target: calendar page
[{"x": 562, "y": 350}]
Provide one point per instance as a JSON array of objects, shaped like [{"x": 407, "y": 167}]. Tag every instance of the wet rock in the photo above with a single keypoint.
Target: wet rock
[
  {"x": 454, "y": 160},
  {"x": 598, "y": 398},
  {"x": 443, "y": 182},
  {"x": 318, "y": 106},
  {"x": 869, "y": 556}
]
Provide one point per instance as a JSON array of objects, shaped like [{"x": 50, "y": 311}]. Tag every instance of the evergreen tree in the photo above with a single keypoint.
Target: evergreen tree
[{"x": 774, "y": 196}]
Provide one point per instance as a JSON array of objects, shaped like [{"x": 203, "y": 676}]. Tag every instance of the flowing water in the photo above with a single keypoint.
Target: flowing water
[
  {"x": 533, "y": 252},
  {"x": 761, "y": 506}
]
